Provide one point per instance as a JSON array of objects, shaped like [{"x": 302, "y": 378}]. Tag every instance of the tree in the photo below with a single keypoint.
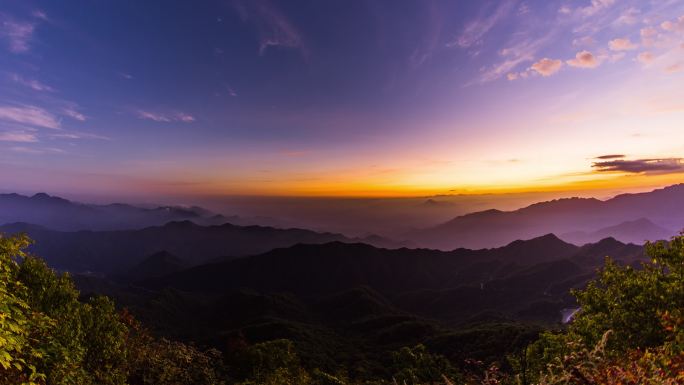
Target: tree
[
  {"x": 416, "y": 365},
  {"x": 20, "y": 328},
  {"x": 630, "y": 329},
  {"x": 630, "y": 302},
  {"x": 48, "y": 336}
]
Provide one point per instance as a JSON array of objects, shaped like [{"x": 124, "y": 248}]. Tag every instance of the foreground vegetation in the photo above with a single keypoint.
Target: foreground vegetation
[{"x": 630, "y": 331}]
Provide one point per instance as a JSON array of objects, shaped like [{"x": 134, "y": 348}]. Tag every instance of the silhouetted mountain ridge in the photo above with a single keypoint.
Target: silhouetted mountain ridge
[
  {"x": 326, "y": 268},
  {"x": 663, "y": 208},
  {"x": 62, "y": 214},
  {"x": 637, "y": 231},
  {"x": 118, "y": 250}
]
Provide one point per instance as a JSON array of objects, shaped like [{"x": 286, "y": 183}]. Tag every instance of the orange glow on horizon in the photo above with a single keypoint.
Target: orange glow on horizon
[{"x": 588, "y": 184}]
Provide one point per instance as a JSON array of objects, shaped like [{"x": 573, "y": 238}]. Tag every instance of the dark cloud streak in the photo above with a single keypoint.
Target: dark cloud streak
[{"x": 639, "y": 166}]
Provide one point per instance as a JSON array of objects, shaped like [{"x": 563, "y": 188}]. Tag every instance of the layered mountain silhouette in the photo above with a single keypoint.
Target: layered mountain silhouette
[
  {"x": 350, "y": 299},
  {"x": 156, "y": 265},
  {"x": 532, "y": 269},
  {"x": 659, "y": 212},
  {"x": 637, "y": 231},
  {"x": 61, "y": 214},
  {"x": 114, "y": 251}
]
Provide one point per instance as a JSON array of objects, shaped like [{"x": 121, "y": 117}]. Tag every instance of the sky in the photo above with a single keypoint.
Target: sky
[{"x": 360, "y": 98}]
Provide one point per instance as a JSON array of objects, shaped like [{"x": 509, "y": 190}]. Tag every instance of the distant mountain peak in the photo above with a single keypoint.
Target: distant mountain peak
[
  {"x": 44, "y": 197},
  {"x": 608, "y": 241},
  {"x": 431, "y": 202},
  {"x": 181, "y": 224},
  {"x": 548, "y": 243},
  {"x": 162, "y": 256},
  {"x": 41, "y": 195},
  {"x": 155, "y": 265}
]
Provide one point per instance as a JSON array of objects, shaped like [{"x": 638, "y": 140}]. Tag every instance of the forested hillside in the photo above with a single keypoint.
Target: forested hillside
[{"x": 630, "y": 329}]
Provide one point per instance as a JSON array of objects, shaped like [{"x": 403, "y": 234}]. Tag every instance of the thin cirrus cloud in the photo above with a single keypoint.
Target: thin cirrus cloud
[
  {"x": 274, "y": 28},
  {"x": 21, "y": 137},
  {"x": 584, "y": 41},
  {"x": 629, "y": 17},
  {"x": 595, "y": 7},
  {"x": 165, "y": 118},
  {"x": 79, "y": 135},
  {"x": 640, "y": 166},
  {"x": 31, "y": 83},
  {"x": 37, "y": 151},
  {"x": 74, "y": 114},
  {"x": 547, "y": 67},
  {"x": 584, "y": 59},
  {"x": 474, "y": 31},
  {"x": 16, "y": 34},
  {"x": 585, "y": 23},
  {"x": 29, "y": 115},
  {"x": 514, "y": 55}
]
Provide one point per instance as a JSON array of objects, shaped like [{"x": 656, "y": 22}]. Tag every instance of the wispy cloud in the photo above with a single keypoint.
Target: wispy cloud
[
  {"x": 648, "y": 36},
  {"x": 231, "y": 91},
  {"x": 611, "y": 156},
  {"x": 153, "y": 116},
  {"x": 31, "y": 83},
  {"x": 73, "y": 113},
  {"x": 621, "y": 44},
  {"x": 29, "y": 115},
  {"x": 39, "y": 14},
  {"x": 630, "y": 16},
  {"x": 79, "y": 135},
  {"x": 17, "y": 34},
  {"x": 513, "y": 56},
  {"x": 595, "y": 7},
  {"x": 645, "y": 57},
  {"x": 274, "y": 28},
  {"x": 37, "y": 150},
  {"x": 184, "y": 117},
  {"x": 474, "y": 31},
  {"x": 23, "y": 137},
  {"x": 165, "y": 117},
  {"x": 584, "y": 41},
  {"x": 547, "y": 67},
  {"x": 584, "y": 59},
  {"x": 641, "y": 166},
  {"x": 673, "y": 25}
]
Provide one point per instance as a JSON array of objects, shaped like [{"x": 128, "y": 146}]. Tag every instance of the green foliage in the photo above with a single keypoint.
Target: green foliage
[
  {"x": 630, "y": 329},
  {"x": 273, "y": 362},
  {"x": 416, "y": 365},
  {"x": 56, "y": 299},
  {"x": 48, "y": 336},
  {"x": 662, "y": 365},
  {"x": 163, "y": 362},
  {"x": 629, "y": 302},
  {"x": 20, "y": 328}
]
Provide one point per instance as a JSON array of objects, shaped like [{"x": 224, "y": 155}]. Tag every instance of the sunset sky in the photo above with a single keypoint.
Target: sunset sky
[{"x": 340, "y": 97}]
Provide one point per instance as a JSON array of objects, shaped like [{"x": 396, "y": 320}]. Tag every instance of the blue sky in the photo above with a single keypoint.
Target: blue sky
[{"x": 339, "y": 97}]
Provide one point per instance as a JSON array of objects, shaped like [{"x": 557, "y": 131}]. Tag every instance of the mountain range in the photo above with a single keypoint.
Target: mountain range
[
  {"x": 191, "y": 276},
  {"x": 61, "y": 214},
  {"x": 538, "y": 269},
  {"x": 353, "y": 303},
  {"x": 660, "y": 212},
  {"x": 114, "y": 251}
]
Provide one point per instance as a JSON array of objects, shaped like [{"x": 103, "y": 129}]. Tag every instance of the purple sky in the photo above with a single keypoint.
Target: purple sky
[{"x": 364, "y": 98}]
